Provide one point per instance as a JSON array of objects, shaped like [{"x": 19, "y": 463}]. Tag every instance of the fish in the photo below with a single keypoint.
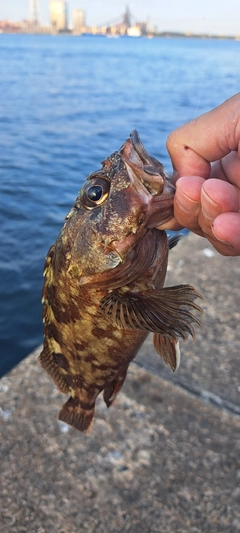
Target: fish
[{"x": 104, "y": 283}]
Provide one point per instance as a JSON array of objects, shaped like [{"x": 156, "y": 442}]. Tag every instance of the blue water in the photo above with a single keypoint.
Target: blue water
[{"x": 65, "y": 104}]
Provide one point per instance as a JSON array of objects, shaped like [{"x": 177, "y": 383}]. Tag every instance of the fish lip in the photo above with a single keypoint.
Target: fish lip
[
  {"x": 161, "y": 209},
  {"x": 147, "y": 169},
  {"x": 150, "y": 180},
  {"x": 149, "y": 161}
]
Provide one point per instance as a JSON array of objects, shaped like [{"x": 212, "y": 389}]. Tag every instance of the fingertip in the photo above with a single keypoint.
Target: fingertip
[
  {"x": 187, "y": 201},
  {"x": 226, "y": 229},
  {"x": 220, "y": 193},
  {"x": 190, "y": 186},
  {"x": 188, "y": 195}
]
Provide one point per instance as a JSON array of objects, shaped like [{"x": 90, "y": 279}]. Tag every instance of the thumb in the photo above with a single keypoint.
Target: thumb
[{"x": 205, "y": 139}]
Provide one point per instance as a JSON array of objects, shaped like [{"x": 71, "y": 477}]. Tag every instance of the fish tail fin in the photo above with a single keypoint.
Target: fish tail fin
[{"x": 77, "y": 416}]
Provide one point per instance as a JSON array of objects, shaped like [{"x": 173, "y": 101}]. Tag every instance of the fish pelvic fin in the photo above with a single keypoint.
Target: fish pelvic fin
[
  {"x": 112, "y": 390},
  {"x": 77, "y": 416},
  {"x": 169, "y": 350}
]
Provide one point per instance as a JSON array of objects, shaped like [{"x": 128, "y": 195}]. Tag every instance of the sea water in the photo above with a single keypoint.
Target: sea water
[{"x": 65, "y": 104}]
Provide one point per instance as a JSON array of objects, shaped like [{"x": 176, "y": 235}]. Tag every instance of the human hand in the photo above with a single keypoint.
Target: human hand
[{"x": 205, "y": 154}]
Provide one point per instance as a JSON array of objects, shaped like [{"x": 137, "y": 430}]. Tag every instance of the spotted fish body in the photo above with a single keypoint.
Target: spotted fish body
[{"x": 104, "y": 276}]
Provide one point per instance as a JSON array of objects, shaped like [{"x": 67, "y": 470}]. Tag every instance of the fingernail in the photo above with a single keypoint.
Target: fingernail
[
  {"x": 185, "y": 203},
  {"x": 209, "y": 208}
]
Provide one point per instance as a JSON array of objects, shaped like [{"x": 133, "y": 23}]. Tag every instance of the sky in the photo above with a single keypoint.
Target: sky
[{"x": 197, "y": 16}]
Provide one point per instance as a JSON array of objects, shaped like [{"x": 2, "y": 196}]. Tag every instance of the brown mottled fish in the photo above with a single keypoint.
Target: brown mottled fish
[{"x": 104, "y": 276}]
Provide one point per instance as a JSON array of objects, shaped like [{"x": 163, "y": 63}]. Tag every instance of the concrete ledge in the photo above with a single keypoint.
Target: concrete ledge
[{"x": 161, "y": 460}]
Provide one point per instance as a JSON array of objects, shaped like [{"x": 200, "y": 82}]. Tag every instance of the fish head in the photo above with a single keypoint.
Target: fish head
[{"x": 117, "y": 204}]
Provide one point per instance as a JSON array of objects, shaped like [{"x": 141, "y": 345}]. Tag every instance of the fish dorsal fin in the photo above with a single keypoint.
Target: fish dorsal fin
[
  {"x": 169, "y": 350},
  {"x": 166, "y": 311}
]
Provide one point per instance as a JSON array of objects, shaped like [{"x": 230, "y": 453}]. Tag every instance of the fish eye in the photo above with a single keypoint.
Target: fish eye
[{"x": 95, "y": 192}]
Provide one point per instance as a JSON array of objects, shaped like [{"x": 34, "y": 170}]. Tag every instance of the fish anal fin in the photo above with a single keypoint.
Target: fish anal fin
[
  {"x": 73, "y": 414},
  {"x": 168, "y": 348},
  {"x": 112, "y": 390},
  {"x": 47, "y": 362}
]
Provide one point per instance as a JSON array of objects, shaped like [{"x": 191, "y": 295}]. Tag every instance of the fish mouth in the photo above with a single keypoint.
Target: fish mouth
[{"x": 146, "y": 171}]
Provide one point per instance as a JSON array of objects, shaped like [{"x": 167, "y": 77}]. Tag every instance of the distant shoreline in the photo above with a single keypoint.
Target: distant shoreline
[{"x": 164, "y": 35}]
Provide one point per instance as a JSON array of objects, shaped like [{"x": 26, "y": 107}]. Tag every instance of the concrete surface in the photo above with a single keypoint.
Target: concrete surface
[{"x": 164, "y": 459}]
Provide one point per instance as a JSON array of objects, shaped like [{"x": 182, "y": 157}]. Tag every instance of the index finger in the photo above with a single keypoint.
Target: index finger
[{"x": 205, "y": 139}]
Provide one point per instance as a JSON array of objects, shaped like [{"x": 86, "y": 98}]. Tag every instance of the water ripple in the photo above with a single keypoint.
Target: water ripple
[{"x": 66, "y": 104}]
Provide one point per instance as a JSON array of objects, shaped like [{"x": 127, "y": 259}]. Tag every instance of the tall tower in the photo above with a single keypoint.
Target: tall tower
[
  {"x": 34, "y": 13},
  {"x": 127, "y": 17}
]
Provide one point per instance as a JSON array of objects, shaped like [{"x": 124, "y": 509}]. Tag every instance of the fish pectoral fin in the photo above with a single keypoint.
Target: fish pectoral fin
[
  {"x": 74, "y": 414},
  {"x": 168, "y": 348},
  {"x": 173, "y": 241},
  {"x": 166, "y": 311}
]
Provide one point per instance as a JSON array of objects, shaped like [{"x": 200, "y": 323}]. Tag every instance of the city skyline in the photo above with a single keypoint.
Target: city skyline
[{"x": 203, "y": 16}]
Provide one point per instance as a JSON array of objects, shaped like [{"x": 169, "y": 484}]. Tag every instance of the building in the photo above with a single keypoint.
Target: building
[
  {"x": 78, "y": 21},
  {"x": 58, "y": 15}
]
